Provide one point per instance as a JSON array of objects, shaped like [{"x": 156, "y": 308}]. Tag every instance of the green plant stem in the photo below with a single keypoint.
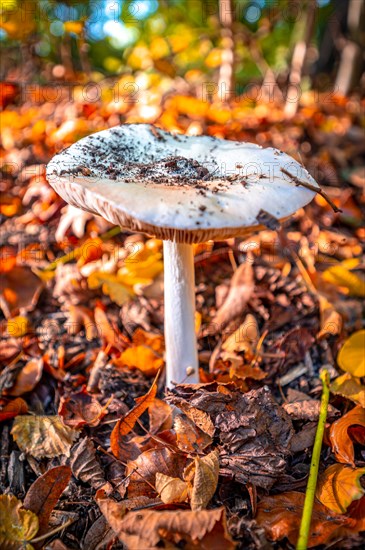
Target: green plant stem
[{"x": 305, "y": 524}]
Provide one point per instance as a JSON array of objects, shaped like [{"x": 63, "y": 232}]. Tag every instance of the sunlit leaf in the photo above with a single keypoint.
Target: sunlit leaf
[
  {"x": 18, "y": 526},
  {"x": 142, "y": 358},
  {"x": 339, "y": 485},
  {"x": 27, "y": 378},
  {"x": 349, "y": 387},
  {"x": 351, "y": 357},
  {"x": 18, "y": 326},
  {"x": 171, "y": 489},
  {"x": 43, "y": 436},
  {"x": 111, "y": 285},
  {"x": 340, "y": 276}
]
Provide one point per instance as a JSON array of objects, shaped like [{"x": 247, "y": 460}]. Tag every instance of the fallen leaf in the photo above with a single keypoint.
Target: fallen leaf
[
  {"x": 244, "y": 338},
  {"x": 84, "y": 465},
  {"x": 341, "y": 276},
  {"x": 13, "y": 408},
  {"x": 18, "y": 526},
  {"x": 43, "y": 436},
  {"x": 190, "y": 438},
  {"x": 111, "y": 286},
  {"x": 81, "y": 408},
  {"x": 10, "y": 205},
  {"x": 203, "y": 476},
  {"x": 308, "y": 409},
  {"x": 27, "y": 378},
  {"x": 280, "y": 516},
  {"x": 160, "y": 414},
  {"x": 152, "y": 340},
  {"x": 330, "y": 319},
  {"x": 338, "y": 486},
  {"x": 351, "y": 357},
  {"x": 253, "y": 430},
  {"x": 142, "y": 471},
  {"x": 171, "y": 489},
  {"x": 349, "y": 387},
  {"x": 240, "y": 291},
  {"x": 45, "y": 492},
  {"x": 206, "y": 529},
  {"x": 17, "y": 326},
  {"x": 142, "y": 358},
  {"x": 127, "y": 423},
  {"x": 105, "y": 329},
  {"x": 199, "y": 417},
  {"x": 341, "y": 442},
  {"x": 20, "y": 289}
]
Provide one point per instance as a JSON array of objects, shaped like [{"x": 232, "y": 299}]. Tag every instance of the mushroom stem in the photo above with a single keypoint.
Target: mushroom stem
[{"x": 180, "y": 337}]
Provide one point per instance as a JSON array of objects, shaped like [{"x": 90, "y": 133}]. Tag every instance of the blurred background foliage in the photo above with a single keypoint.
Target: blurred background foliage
[{"x": 88, "y": 40}]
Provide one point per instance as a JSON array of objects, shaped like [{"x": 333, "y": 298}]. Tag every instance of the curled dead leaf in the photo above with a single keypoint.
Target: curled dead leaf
[
  {"x": 84, "y": 465},
  {"x": 13, "y": 408},
  {"x": 81, "y": 408},
  {"x": 171, "y": 489},
  {"x": 27, "y": 378},
  {"x": 341, "y": 442},
  {"x": 202, "y": 474}
]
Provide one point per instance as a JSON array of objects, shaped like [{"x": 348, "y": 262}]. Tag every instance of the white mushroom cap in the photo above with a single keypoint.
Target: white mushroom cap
[{"x": 183, "y": 188}]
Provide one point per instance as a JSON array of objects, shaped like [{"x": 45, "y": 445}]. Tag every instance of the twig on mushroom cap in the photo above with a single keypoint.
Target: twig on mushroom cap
[{"x": 318, "y": 190}]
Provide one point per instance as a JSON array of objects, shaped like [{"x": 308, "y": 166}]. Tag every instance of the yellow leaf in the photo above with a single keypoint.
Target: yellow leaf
[
  {"x": 351, "y": 357},
  {"x": 142, "y": 358},
  {"x": 151, "y": 339},
  {"x": 340, "y": 485},
  {"x": 75, "y": 27},
  {"x": 349, "y": 387},
  {"x": 18, "y": 526},
  {"x": 43, "y": 436},
  {"x": 111, "y": 286},
  {"x": 203, "y": 474},
  {"x": 18, "y": 326},
  {"x": 331, "y": 320},
  {"x": 141, "y": 271},
  {"x": 341, "y": 276},
  {"x": 171, "y": 489}
]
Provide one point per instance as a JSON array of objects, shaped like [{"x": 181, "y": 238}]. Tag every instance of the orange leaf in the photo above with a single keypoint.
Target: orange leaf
[
  {"x": 338, "y": 486},
  {"x": 142, "y": 358},
  {"x": 341, "y": 442},
  {"x": 44, "y": 493},
  {"x": 126, "y": 424},
  {"x": 280, "y": 516},
  {"x": 27, "y": 379},
  {"x": 13, "y": 408}
]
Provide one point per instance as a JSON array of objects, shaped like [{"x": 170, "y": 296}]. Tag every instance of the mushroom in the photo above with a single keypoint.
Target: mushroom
[{"x": 184, "y": 190}]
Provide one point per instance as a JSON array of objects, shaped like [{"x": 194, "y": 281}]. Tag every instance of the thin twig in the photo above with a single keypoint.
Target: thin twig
[
  {"x": 302, "y": 543},
  {"x": 54, "y": 531},
  {"x": 313, "y": 188}
]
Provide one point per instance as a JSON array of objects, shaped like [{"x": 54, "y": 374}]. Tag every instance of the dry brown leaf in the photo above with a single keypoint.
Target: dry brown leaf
[
  {"x": 143, "y": 470},
  {"x": 27, "y": 378},
  {"x": 350, "y": 387},
  {"x": 44, "y": 493},
  {"x": 206, "y": 530},
  {"x": 308, "y": 409},
  {"x": 280, "y": 516},
  {"x": 171, "y": 489},
  {"x": 106, "y": 332},
  {"x": 85, "y": 466},
  {"x": 13, "y": 408},
  {"x": 127, "y": 423},
  {"x": 338, "y": 486},
  {"x": 202, "y": 474},
  {"x": 18, "y": 526},
  {"x": 80, "y": 318},
  {"x": 199, "y": 417},
  {"x": 341, "y": 442},
  {"x": 240, "y": 291},
  {"x": 81, "y": 408},
  {"x": 190, "y": 438},
  {"x": 43, "y": 436},
  {"x": 160, "y": 414}
]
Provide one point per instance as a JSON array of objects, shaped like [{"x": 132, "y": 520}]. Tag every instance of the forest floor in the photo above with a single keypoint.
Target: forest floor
[{"x": 82, "y": 325}]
